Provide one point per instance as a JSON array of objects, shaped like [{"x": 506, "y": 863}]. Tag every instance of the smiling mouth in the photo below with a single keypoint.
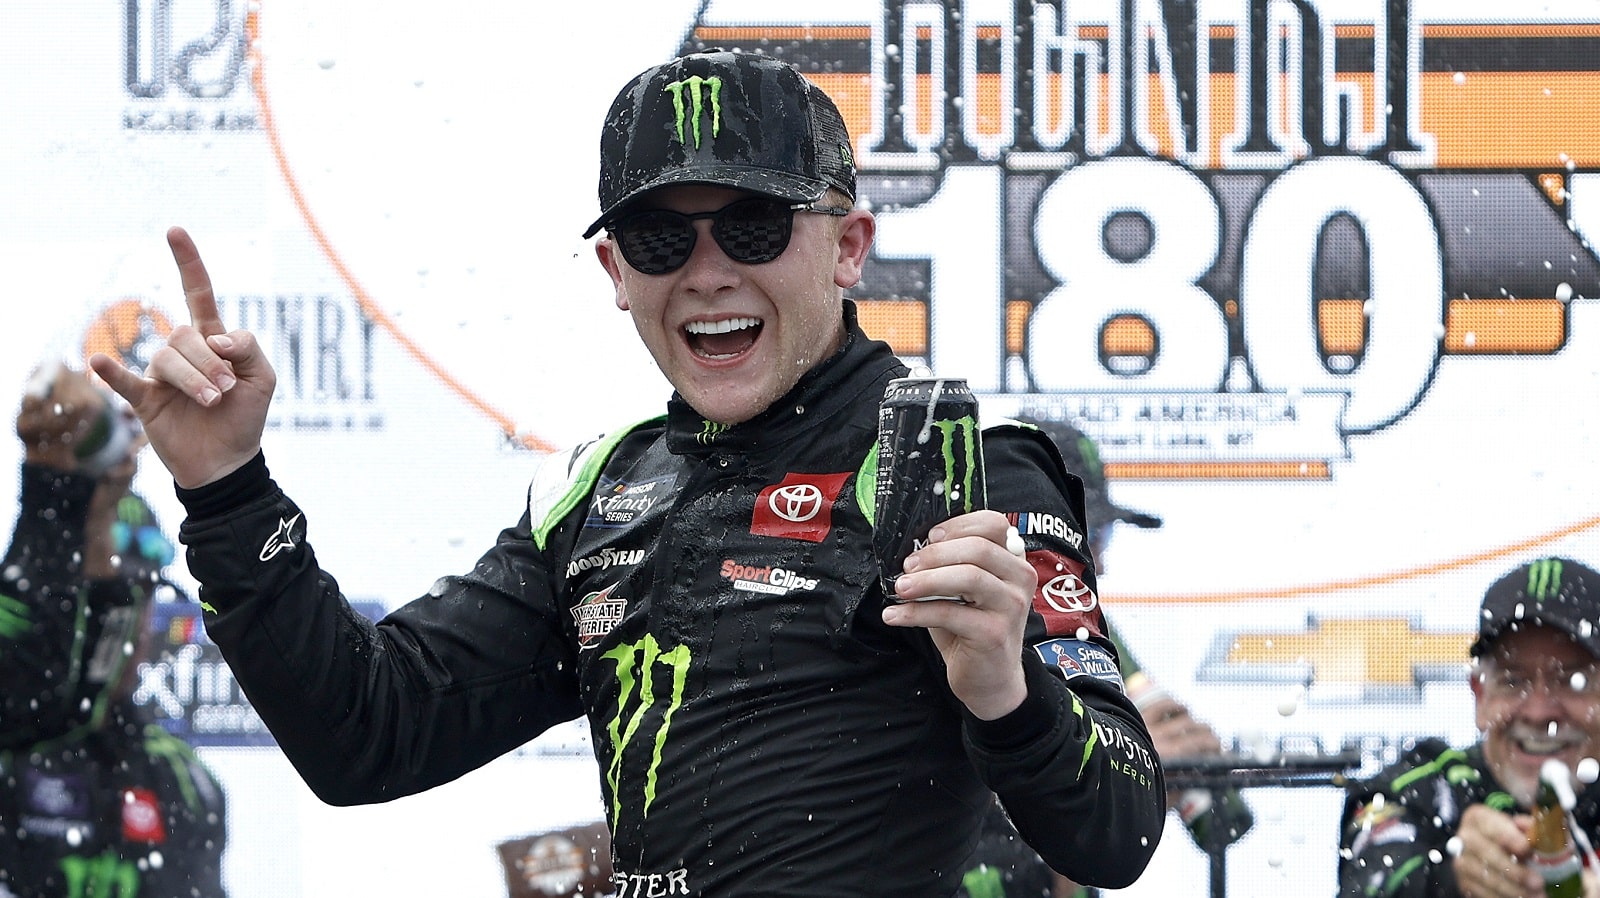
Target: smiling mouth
[
  {"x": 1543, "y": 744},
  {"x": 1540, "y": 747},
  {"x": 726, "y": 339}
]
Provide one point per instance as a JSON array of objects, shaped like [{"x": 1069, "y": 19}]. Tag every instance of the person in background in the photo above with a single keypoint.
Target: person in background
[
  {"x": 1444, "y": 822},
  {"x": 1004, "y": 865},
  {"x": 769, "y": 718},
  {"x": 96, "y": 799}
]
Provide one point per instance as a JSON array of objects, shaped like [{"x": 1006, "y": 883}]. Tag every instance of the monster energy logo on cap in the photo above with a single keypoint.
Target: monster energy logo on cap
[
  {"x": 1558, "y": 593},
  {"x": 697, "y": 88},
  {"x": 746, "y": 121},
  {"x": 1544, "y": 579}
]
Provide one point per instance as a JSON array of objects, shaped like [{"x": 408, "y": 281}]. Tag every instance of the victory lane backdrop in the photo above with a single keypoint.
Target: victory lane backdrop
[{"x": 1318, "y": 277}]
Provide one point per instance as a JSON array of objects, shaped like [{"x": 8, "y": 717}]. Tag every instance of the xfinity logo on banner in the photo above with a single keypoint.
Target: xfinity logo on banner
[
  {"x": 186, "y": 66},
  {"x": 1223, "y": 237},
  {"x": 189, "y": 687}
]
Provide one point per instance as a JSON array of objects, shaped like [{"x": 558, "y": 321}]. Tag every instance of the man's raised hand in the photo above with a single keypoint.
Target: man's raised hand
[{"x": 203, "y": 399}]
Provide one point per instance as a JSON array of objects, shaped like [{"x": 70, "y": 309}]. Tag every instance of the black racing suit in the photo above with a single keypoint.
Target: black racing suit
[
  {"x": 1005, "y": 867},
  {"x": 708, "y": 597},
  {"x": 96, "y": 800},
  {"x": 1396, "y": 826}
]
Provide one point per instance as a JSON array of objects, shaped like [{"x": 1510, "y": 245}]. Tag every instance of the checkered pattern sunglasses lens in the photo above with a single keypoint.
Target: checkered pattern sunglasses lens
[{"x": 752, "y": 231}]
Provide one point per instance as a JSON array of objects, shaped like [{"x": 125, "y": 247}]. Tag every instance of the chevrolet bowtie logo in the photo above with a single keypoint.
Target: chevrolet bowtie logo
[{"x": 1362, "y": 659}]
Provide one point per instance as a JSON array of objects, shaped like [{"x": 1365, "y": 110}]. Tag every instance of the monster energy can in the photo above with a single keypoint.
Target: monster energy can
[{"x": 930, "y": 466}]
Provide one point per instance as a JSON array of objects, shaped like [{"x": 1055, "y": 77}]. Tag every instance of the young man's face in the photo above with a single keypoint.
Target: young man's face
[
  {"x": 1537, "y": 695},
  {"x": 734, "y": 337}
]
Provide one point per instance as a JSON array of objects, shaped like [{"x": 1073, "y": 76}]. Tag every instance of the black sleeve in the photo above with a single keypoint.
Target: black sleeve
[
  {"x": 41, "y": 608},
  {"x": 1074, "y": 765},
  {"x": 372, "y": 711}
]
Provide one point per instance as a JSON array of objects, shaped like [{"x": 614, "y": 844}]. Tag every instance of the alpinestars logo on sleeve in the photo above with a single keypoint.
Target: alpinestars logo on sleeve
[{"x": 282, "y": 540}]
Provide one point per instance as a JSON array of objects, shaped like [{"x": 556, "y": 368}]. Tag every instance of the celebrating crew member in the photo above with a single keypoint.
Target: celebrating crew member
[
  {"x": 767, "y": 721},
  {"x": 96, "y": 799},
  {"x": 1447, "y": 822}
]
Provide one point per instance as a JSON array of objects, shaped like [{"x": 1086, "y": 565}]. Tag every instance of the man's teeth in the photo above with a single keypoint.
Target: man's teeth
[
  {"x": 1534, "y": 746},
  {"x": 721, "y": 327}
]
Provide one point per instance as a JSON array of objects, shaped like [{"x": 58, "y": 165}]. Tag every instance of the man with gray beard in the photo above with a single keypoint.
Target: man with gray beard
[{"x": 1446, "y": 822}]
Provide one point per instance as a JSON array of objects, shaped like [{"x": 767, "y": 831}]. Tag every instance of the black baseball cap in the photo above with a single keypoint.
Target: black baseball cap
[
  {"x": 1083, "y": 459},
  {"x": 1550, "y": 592},
  {"x": 740, "y": 120}
]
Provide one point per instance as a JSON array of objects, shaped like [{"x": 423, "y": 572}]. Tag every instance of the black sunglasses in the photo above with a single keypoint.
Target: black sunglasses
[{"x": 752, "y": 231}]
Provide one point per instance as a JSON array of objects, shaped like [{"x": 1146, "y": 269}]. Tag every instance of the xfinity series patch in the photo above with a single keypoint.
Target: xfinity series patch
[
  {"x": 618, "y": 503},
  {"x": 53, "y": 805},
  {"x": 1075, "y": 658}
]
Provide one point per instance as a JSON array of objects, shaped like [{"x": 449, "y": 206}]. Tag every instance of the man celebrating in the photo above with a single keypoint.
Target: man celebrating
[
  {"x": 767, "y": 721},
  {"x": 96, "y": 799},
  {"x": 1444, "y": 822}
]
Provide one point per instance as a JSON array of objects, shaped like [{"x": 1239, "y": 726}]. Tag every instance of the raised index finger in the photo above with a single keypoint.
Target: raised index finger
[{"x": 196, "y": 283}]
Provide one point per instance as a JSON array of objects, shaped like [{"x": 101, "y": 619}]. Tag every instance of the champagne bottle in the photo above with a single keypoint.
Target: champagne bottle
[
  {"x": 1228, "y": 816},
  {"x": 1553, "y": 853}
]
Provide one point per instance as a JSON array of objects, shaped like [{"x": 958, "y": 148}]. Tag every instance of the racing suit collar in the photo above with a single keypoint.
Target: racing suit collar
[{"x": 819, "y": 393}]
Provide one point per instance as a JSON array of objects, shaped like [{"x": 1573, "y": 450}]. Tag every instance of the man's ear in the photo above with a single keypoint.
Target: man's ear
[
  {"x": 855, "y": 241},
  {"x": 606, "y": 251},
  {"x": 1475, "y": 680}
]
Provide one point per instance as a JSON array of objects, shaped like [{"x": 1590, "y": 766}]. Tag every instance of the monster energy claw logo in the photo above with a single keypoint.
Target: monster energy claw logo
[
  {"x": 709, "y": 431},
  {"x": 1544, "y": 579},
  {"x": 637, "y": 674},
  {"x": 697, "y": 88},
  {"x": 961, "y": 461},
  {"x": 105, "y": 876}
]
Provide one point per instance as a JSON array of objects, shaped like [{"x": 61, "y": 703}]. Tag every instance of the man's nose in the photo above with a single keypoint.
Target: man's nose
[{"x": 708, "y": 267}]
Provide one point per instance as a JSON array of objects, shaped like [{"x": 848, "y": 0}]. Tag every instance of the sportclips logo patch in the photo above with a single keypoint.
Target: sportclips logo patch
[
  {"x": 800, "y": 507},
  {"x": 1225, "y": 236},
  {"x": 1065, "y": 601},
  {"x": 771, "y": 580}
]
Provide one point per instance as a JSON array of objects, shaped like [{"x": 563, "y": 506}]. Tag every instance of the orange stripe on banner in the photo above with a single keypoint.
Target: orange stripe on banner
[
  {"x": 1504, "y": 326},
  {"x": 903, "y": 324},
  {"x": 1309, "y": 469},
  {"x": 368, "y": 306},
  {"x": 1549, "y": 29},
  {"x": 713, "y": 34},
  {"x": 1334, "y": 586}
]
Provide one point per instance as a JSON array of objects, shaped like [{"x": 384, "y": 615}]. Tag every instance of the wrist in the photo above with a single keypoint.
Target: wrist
[{"x": 995, "y": 703}]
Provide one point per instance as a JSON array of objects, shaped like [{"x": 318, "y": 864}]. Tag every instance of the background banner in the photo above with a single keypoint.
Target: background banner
[{"x": 1318, "y": 275}]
